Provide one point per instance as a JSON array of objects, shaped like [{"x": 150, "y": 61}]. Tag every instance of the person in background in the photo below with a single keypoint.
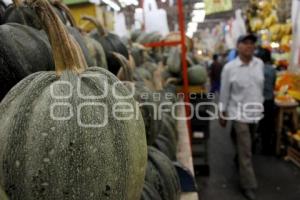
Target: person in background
[
  {"x": 215, "y": 74},
  {"x": 267, "y": 124},
  {"x": 241, "y": 101}
]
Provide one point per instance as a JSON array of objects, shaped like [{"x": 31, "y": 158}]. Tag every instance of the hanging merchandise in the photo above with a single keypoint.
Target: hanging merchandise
[
  {"x": 153, "y": 15},
  {"x": 238, "y": 25},
  {"x": 120, "y": 25},
  {"x": 138, "y": 18},
  {"x": 230, "y": 43},
  {"x": 216, "y": 6}
]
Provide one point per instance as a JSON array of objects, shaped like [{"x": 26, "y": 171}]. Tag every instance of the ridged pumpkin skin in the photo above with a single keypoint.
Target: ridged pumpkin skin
[
  {"x": 96, "y": 51},
  {"x": 2, "y": 10},
  {"x": 197, "y": 75},
  {"x": 23, "y": 14},
  {"x": 23, "y": 51},
  {"x": 3, "y": 195},
  {"x": 41, "y": 158},
  {"x": 145, "y": 99},
  {"x": 162, "y": 175},
  {"x": 150, "y": 193}
]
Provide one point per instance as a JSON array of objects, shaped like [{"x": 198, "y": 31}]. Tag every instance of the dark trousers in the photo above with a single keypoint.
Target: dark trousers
[{"x": 267, "y": 128}]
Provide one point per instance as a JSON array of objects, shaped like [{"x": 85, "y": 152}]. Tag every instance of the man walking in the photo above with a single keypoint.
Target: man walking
[
  {"x": 241, "y": 101},
  {"x": 215, "y": 74}
]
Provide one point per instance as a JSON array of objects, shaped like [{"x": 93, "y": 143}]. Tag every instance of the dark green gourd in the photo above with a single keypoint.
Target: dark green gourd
[
  {"x": 2, "y": 194},
  {"x": 164, "y": 144},
  {"x": 142, "y": 95},
  {"x": 19, "y": 12},
  {"x": 162, "y": 175},
  {"x": 110, "y": 43},
  {"x": 2, "y": 10},
  {"x": 46, "y": 155},
  {"x": 96, "y": 52},
  {"x": 22, "y": 13},
  {"x": 23, "y": 51},
  {"x": 149, "y": 192}
]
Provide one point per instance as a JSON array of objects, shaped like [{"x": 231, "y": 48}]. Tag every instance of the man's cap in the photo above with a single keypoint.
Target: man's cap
[{"x": 243, "y": 38}]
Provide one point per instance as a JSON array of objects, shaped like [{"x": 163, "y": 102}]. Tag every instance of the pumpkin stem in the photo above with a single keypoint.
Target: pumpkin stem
[
  {"x": 17, "y": 3},
  {"x": 97, "y": 23},
  {"x": 66, "y": 52},
  {"x": 125, "y": 73},
  {"x": 66, "y": 10}
]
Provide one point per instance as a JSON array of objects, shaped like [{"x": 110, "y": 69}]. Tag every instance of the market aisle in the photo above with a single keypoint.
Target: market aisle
[{"x": 278, "y": 180}]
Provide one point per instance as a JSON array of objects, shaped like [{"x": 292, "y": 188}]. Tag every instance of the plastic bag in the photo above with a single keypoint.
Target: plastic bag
[
  {"x": 120, "y": 25},
  {"x": 155, "y": 19}
]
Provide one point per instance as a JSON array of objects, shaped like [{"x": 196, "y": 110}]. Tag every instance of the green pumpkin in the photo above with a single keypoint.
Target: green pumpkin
[
  {"x": 150, "y": 193},
  {"x": 110, "y": 43},
  {"x": 174, "y": 60},
  {"x": 143, "y": 96},
  {"x": 45, "y": 158},
  {"x": 3, "y": 195},
  {"x": 162, "y": 175},
  {"x": 135, "y": 34},
  {"x": 21, "y": 13},
  {"x": 19, "y": 61},
  {"x": 96, "y": 51},
  {"x": 197, "y": 75},
  {"x": 2, "y": 11},
  {"x": 146, "y": 38},
  {"x": 163, "y": 144}
]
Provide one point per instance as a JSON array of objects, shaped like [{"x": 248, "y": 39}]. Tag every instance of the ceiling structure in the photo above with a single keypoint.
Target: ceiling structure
[{"x": 128, "y": 6}]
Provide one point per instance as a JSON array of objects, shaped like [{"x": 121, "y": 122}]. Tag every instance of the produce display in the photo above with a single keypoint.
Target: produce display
[
  {"x": 275, "y": 30},
  {"x": 49, "y": 159},
  {"x": 287, "y": 87},
  {"x": 53, "y": 144},
  {"x": 110, "y": 43}
]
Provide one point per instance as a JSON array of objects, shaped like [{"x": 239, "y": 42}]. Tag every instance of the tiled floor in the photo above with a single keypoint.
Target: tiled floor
[{"x": 278, "y": 180}]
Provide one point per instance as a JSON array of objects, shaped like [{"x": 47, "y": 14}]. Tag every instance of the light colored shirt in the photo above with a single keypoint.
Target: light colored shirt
[{"x": 241, "y": 95}]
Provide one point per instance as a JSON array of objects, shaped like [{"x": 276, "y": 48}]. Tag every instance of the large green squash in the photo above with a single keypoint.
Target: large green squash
[
  {"x": 163, "y": 144},
  {"x": 23, "y": 51},
  {"x": 139, "y": 54},
  {"x": 22, "y": 13},
  {"x": 46, "y": 156},
  {"x": 2, "y": 10},
  {"x": 96, "y": 51},
  {"x": 110, "y": 43},
  {"x": 162, "y": 175},
  {"x": 19, "y": 12},
  {"x": 135, "y": 34},
  {"x": 174, "y": 60},
  {"x": 197, "y": 75},
  {"x": 143, "y": 96},
  {"x": 150, "y": 193},
  {"x": 2, "y": 194},
  {"x": 146, "y": 38}
]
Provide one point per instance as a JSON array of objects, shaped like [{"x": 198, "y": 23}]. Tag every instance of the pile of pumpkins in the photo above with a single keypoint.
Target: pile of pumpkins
[
  {"x": 170, "y": 56},
  {"x": 57, "y": 84}
]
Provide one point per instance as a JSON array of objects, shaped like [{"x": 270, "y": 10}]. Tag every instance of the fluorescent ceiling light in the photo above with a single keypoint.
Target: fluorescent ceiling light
[{"x": 199, "y": 5}]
